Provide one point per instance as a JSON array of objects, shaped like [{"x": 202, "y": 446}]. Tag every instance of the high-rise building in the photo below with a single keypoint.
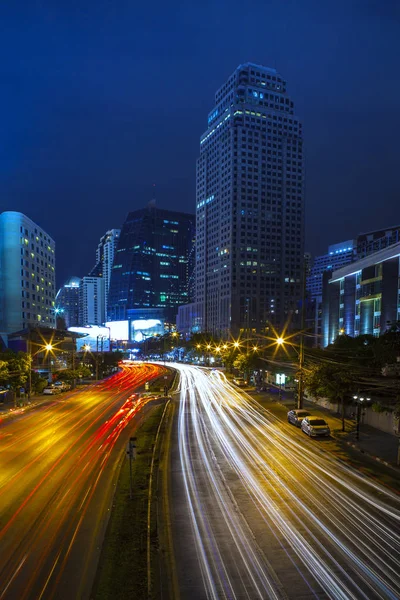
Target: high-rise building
[
  {"x": 250, "y": 206},
  {"x": 153, "y": 265},
  {"x": 27, "y": 274},
  {"x": 105, "y": 258},
  {"x": 91, "y": 301},
  {"x": 67, "y": 302},
  {"x": 337, "y": 256}
]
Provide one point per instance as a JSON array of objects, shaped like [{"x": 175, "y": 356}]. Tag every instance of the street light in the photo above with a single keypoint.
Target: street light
[
  {"x": 280, "y": 341},
  {"x": 359, "y": 401}
]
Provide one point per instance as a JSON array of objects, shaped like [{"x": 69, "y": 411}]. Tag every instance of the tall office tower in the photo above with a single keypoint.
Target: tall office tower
[
  {"x": 27, "y": 274},
  {"x": 250, "y": 206},
  {"x": 153, "y": 264},
  {"x": 105, "y": 258},
  {"x": 67, "y": 302},
  {"x": 91, "y": 301}
]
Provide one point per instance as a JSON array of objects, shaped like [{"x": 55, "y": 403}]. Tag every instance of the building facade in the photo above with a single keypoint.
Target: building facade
[
  {"x": 154, "y": 264},
  {"x": 250, "y": 206},
  {"x": 91, "y": 301},
  {"x": 105, "y": 258},
  {"x": 370, "y": 242},
  {"x": 67, "y": 302},
  {"x": 27, "y": 274},
  {"x": 337, "y": 256},
  {"x": 363, "y": 297}
]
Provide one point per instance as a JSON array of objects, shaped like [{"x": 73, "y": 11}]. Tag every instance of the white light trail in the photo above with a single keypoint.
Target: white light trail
[{"x": 339, "y": 529}]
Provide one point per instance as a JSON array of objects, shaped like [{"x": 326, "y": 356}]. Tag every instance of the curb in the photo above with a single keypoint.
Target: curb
[
  {"x": 376, "y": 458},
  {"x": 355, "y": 447}
]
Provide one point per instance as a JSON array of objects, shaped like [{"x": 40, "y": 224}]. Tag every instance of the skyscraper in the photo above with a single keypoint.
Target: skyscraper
[
  {"x": 91, "y": 301},
  {"x": 250, "y": 206},
  {"x": 153, "y": 264},
  {"x": 27, "y": 274},
  {"x": 67, "y": 301},
  {"x": 104, "y": 259}
]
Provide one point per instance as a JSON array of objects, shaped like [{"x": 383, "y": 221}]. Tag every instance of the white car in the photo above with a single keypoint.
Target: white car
[
  {"x": 240, "y": 381},
  {"x": 51, "y": 389},
  {"x": 296, "y": 416},
  {"x": 314, "y": 426}
]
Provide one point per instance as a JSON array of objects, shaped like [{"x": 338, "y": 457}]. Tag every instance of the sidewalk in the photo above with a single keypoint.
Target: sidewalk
[{"x": 376, "y": 444}]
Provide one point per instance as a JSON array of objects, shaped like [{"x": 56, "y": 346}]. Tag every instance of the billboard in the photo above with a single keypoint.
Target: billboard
[
  {"x": 119, "y": 330},
  {"x": 95, "y": 336}
]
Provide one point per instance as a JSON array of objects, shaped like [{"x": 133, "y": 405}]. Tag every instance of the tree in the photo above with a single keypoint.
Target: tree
[
  {"x": 4, "y": 373},
  {"x": 246, "y": 362},
  {"x": 333, "y": 381},
  {"x": 70, "y": 375},
  {"x": 18, "y": 366}
]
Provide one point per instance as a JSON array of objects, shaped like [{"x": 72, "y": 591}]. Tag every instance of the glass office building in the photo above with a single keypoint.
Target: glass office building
[{"x": 153, "y": 265}]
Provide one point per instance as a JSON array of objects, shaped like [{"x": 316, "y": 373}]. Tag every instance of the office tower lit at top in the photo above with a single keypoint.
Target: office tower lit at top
[{"x": 250, "y": 206}]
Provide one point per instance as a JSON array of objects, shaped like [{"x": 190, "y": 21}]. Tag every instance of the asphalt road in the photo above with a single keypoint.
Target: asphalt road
[
  {"x": 258, "y": 511},
  {"x": 58, "y": 471}
]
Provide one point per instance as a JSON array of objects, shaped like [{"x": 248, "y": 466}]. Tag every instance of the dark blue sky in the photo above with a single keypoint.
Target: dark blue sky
[{"x": 102, "y": 99}]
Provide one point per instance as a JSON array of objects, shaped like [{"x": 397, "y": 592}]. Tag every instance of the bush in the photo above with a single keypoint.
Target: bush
[{"x": 40, "y": 385}]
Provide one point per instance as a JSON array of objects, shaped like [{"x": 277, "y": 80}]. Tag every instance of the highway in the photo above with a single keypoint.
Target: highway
[
  {"x": 257, "y": 512},
  {"x": 58, "y": 470}
]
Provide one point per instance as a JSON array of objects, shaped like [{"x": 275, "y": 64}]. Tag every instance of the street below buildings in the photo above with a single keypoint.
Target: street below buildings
[
  {"x": 259, "y": 511},
  {"x": 59, "y": 466}
]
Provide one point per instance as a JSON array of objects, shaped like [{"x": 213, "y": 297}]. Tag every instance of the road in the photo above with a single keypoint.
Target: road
[
  {"x": 58, "y": 470},
  {"x": 257, "y": 512}
]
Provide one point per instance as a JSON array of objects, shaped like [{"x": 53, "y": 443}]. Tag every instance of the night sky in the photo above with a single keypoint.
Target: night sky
[{"x": 102, "y": 99}]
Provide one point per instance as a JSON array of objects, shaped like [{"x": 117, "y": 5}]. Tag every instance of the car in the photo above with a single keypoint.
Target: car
[
  {"x": 240, "y": 381},
  {"x": 62, "y": 385},
  {"x": 314, "y": 426},
  {"x": 51, "y": 389},
  {"x": 296, "y": 416}
]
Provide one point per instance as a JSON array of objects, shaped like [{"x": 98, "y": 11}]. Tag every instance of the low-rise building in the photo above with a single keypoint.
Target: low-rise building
[{"x": 363, "y": 297}]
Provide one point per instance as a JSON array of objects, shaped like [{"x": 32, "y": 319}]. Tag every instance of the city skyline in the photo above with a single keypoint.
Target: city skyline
[{"x": 79, "y": 136}]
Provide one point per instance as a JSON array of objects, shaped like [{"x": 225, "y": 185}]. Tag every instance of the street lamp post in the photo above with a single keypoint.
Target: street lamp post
[
  {"x": 300, "y": 384},
  {"x": 360, "y": 401},
  {"x": 49, "y": 348}
]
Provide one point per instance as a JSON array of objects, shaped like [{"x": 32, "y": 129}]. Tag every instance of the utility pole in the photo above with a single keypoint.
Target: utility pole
[
  {"x": 29, "y": 348},
  {"x": 301, "y": 353},
  {"x": 73, "y": 363}
]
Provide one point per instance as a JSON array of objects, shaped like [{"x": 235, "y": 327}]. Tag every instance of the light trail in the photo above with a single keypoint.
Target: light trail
[
  {"x": 48, "y": 490},
  {"x": 336, "y": 527}
]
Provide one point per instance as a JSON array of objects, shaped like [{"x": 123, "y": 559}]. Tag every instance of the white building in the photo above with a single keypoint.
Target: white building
[
  {"x": 27, "y": 274},
  {"x": 91, "y": 301},
  {"x": 250, "y": 206},
  {"x": 105, "y": 258}
]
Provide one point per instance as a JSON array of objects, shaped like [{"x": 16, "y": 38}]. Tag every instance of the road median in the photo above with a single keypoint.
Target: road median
[{"x": 123, "y": 565}]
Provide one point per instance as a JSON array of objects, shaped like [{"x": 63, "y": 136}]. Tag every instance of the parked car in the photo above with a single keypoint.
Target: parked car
[
  {"x": 240, "y": 381},
  {"x": 296, "y": 416},
  {"x": 51, "y": 389},
  {"x": 62, "y": 385},
  {"x": 314, "y": 426}
]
